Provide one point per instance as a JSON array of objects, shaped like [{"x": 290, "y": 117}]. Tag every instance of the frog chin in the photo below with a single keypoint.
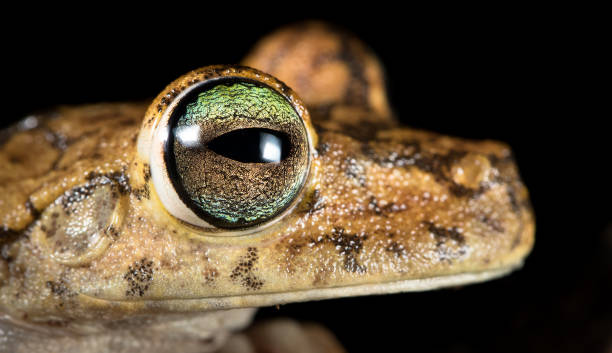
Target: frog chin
[{"x": 169, "y": 305}]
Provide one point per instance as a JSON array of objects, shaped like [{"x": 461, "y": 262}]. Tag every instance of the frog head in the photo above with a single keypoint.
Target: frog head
[{"x": 231, "y": 191}]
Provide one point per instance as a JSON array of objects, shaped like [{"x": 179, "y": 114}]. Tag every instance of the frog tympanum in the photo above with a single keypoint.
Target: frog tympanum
[{"x": 160, "y": 226}]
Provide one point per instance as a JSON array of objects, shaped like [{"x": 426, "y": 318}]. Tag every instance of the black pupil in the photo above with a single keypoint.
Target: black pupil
[{"x": 252, "y": 145}]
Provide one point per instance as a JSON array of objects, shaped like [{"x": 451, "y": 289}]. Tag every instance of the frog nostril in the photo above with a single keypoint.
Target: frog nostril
[{"x": 471, "y": 171}]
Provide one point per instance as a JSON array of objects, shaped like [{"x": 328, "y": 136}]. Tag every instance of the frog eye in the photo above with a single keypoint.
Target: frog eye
[{"x": 235, "y": 151}]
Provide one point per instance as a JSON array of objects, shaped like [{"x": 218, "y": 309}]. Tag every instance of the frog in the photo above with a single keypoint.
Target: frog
[{"x": 162, "y": 225}]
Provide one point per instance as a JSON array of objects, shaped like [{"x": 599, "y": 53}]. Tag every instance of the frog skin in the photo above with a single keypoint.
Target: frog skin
[{"x": 96, "y": 257}]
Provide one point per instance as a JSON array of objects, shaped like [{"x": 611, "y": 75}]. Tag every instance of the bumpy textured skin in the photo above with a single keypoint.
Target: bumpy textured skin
[{"x": 383, "y": 204}]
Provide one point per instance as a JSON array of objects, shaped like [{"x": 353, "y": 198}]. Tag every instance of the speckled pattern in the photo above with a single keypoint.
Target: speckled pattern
[{"x": 382, "y": 203}]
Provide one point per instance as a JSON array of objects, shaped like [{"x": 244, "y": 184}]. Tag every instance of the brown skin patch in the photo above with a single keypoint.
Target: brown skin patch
[
  {"x": 60, "y": 289},
  {"x": 348, "y": 245},
  {"x": 7, "y": 235},
  {"x": 77, "y": 195},
  {"x": 142, "y": 193},
  {"x": 492, "y": 223},
  {"x": 146, "y": 172},
  {"x": 33, "y": 211},
  {"x": 113, "y": 232},
  {"x": 139, "y": 277},
  {"x": 382, "y": 210},
  {"x": 315, "y": 203},
  {"x": 354, "y": 170},
  {"x": 442, "y": 233},
  {"x": 396, "y": 248},
  {"x": 243, "y": 272},
  {"x": 322, "y": 149}
]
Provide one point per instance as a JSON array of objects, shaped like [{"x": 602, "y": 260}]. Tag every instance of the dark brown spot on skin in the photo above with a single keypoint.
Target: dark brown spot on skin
[
  {"x": 76, "y": 195},
  {"x": 7, "y": 236},
  {"x": 513, "y": 199},
  {"x": 492, "y": 223},
  {"x": 354, "y": 170},
  {"x": 59, "y": 288},
  {"x": 7, "y": 232},
  {"x": 243, "y": 272},
  {"x": 442, "y": 233},
  {"x": 31, "y": 209},
  {"x": 438, "y": 164},
  {"x": 348, "y": 245},
  {"x": 373, "y": 205},
  {"x": 462, "y": 191},
  {"x": 315, "y": 203},
  {"x": 498, "y": 161},
  {"x": 139, "y": 277},
  {"x": 396, "y": 248},
  {"x": 323, "y": 148},
  {"x": 407, "y": 157},
  {"x": 143, "y": 193},
  {"x": 113, "y": 232},
  {"x": 147, "y": 172},
  {"x": 15, "y": 159}
]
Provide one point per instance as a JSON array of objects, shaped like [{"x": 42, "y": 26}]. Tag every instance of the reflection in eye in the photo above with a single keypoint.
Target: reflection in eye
[
  {"x": 188, "y": 136},
  {"x": 270, "y": 147},
  {"x": 252, "y": 146}
]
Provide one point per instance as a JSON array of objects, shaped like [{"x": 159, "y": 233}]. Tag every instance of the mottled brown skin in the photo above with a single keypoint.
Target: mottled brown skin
[{"x": 383, "y": 204}]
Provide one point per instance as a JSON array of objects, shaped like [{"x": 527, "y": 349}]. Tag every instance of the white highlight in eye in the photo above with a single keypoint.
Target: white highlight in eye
[
  {"x": 188, "y": 136},
  {"x": 270, "y": 146}
]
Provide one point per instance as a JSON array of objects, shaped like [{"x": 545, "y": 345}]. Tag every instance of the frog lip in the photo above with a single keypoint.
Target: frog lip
[{"x": 274, "y": 298}]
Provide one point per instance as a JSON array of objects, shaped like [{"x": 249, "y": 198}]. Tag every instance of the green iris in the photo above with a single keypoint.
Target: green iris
[
  {"x": 241, "y": 99},
  {"x": 238, "y": 153}
]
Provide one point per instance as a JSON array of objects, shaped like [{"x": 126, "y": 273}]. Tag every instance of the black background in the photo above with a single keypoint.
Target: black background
[{"x": 515, "y": 75}]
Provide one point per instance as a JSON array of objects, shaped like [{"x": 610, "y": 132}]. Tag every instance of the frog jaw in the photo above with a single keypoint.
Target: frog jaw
[{"x": 268, "y": 299}]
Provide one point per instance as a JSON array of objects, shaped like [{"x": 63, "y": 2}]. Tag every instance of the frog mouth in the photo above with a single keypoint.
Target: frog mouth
[{"x": 275, "y": 298}]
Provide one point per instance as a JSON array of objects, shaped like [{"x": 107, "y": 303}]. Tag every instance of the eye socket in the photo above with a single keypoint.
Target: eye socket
[{"x": 236, "y": 154}]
